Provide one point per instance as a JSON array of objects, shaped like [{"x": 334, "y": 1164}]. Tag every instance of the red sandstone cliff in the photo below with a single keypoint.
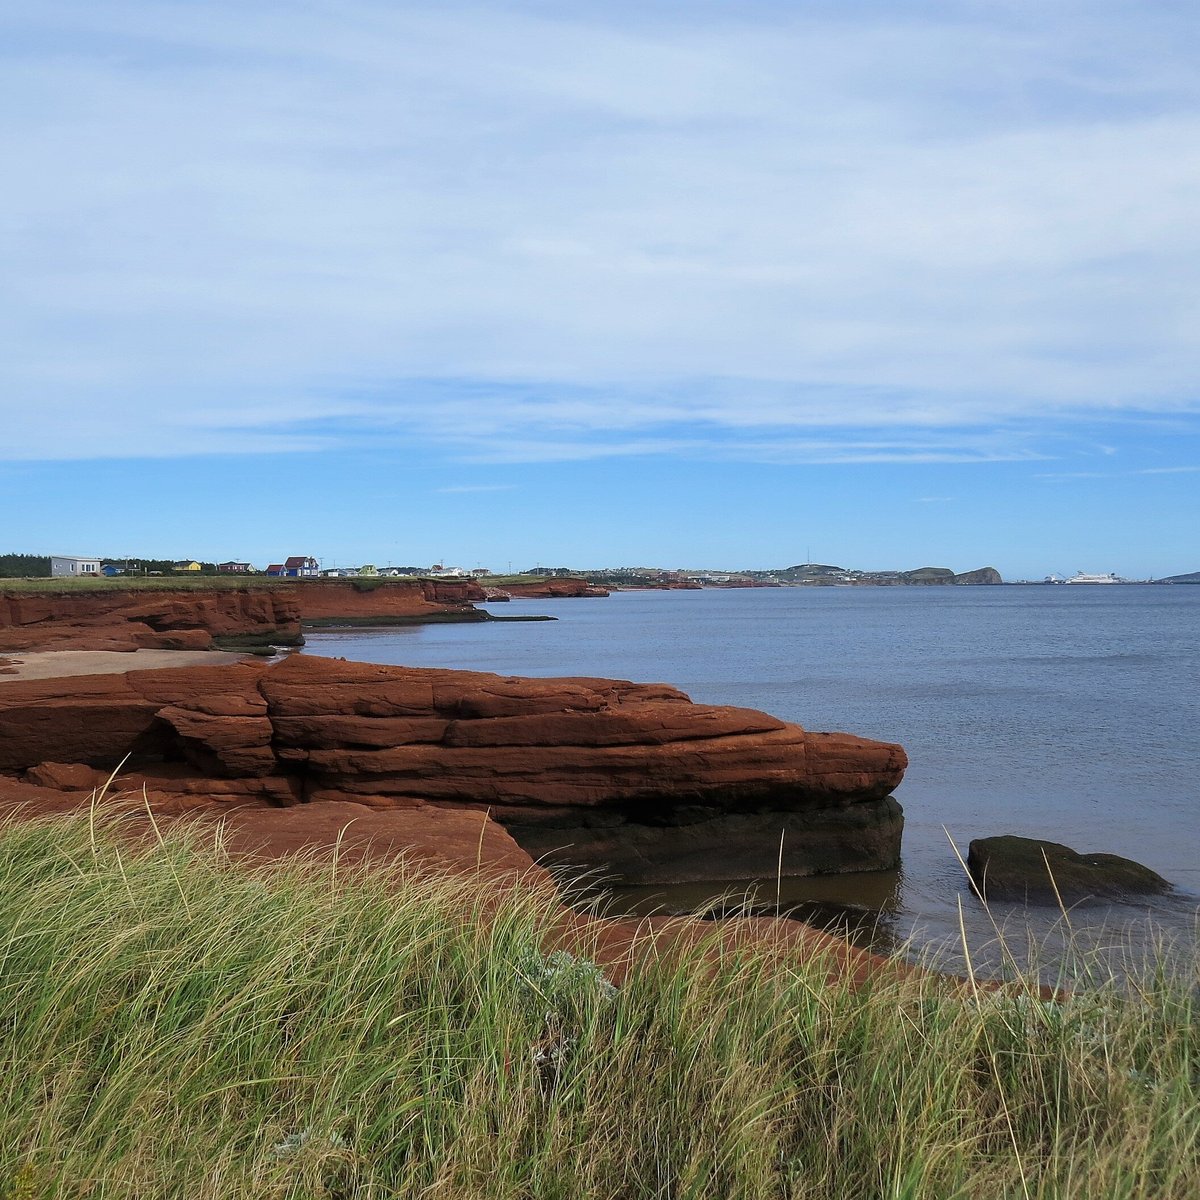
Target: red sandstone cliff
[
  {"x": 399, "y": 599},
  {"x": 557, "y": 588},
  {"x": 633, "y": 779},
  {"x": 197, "y": 618},
  {"x": 134, "y": 618}
]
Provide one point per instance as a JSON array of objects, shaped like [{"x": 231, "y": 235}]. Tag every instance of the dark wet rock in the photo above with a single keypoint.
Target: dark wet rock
[{"x": 1026, "y": 869}]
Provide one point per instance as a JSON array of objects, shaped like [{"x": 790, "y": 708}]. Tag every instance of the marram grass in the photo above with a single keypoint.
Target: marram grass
[{"x": 175, "y": 1026}]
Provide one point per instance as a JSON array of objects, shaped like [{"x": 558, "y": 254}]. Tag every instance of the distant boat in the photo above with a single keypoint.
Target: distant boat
[{"x": 1084, "y": 577}]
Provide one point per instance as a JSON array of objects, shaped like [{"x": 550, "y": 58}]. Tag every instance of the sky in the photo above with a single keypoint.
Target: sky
[{"x": 687, "y": 283}]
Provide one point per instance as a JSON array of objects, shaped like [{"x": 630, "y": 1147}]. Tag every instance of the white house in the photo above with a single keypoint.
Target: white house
[{"x": 64, "y": 565}]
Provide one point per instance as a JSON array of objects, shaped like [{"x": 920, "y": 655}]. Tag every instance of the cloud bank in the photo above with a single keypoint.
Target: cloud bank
[{"x": 781, "y": 232}]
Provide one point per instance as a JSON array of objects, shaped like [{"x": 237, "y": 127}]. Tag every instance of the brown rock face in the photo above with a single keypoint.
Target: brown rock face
[
  {"x": 632, "y": 779},
  {"x": 148, "y": 619},
  {"x": 199, "y": 618},
  {"x": 380, "y": 601},
  {"x": 557, "y": 588}
]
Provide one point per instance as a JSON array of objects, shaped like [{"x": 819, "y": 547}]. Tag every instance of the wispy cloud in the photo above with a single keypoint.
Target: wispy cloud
[
  {"x": 1119, "y": 474},
  {"x": 247, "y": 227},
  {"x": 476, "y": 487}
]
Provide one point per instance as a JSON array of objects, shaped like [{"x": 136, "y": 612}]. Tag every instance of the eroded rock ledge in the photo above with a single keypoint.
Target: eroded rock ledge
[
  {"x": 632, "y": 780},
  {"x": 131, "y": 617}
]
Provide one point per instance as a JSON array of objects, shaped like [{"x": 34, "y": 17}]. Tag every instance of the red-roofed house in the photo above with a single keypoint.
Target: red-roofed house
[{"x": 297, "y": 567}]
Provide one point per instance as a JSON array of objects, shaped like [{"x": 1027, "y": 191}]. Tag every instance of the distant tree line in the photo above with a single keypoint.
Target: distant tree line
[
  {"x": 17, "y": 566},
  {"x": 156, "y": 566}
]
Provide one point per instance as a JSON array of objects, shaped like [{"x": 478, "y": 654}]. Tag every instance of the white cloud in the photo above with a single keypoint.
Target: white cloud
[{"x": 240, "y": 227}]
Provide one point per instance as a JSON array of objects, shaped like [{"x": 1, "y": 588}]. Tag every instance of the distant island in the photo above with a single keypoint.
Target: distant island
[{"x": 801, "y": 575}]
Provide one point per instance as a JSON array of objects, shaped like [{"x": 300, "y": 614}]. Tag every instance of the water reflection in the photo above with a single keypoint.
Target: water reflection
[
  {"x": 865, "y": 908},
  {"x": 1113, "y": 941}
]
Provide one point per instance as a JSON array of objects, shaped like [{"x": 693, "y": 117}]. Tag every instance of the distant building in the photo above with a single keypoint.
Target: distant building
[
  {"x": 296, "y": 567},
  {"x": 65, "y": 566},
  {"x": 189, "y": 564},
  {"x": 110, "y": 569},
  {"x": 234, "y": 568}
]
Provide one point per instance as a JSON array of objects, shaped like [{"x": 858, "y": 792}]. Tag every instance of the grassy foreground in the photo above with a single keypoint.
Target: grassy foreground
[{"x": 174, "y": 1026}]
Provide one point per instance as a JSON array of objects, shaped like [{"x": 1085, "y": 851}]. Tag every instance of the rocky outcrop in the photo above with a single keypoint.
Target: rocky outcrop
[
  {"x": 148, "y": 618},
  {"x": 986, "y": 576},
  {"x": 390, "y": 601},
  {"x": 926, "y": 576},
  {"x": 551, "y": 588},
  {"x": 1028, "y": 870},
  {"x": 631, "y": 779},
  {"x": 249, "y": 616}
]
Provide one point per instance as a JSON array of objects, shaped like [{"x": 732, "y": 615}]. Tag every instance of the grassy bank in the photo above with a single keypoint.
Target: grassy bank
[{"x": 175, "y": 1027}]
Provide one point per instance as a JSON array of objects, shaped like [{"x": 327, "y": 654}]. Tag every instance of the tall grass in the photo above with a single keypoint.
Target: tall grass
[{"x": 174, "y": 1026}]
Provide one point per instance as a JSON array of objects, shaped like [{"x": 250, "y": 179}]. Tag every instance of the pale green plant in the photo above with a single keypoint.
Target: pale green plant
[{"x": 173, "y": 1025}]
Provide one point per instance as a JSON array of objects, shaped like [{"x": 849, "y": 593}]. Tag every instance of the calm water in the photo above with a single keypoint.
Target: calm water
[{"x": 1069, "y": 713}]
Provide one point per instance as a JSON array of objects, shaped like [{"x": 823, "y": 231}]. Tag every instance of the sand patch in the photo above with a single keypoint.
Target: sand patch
[{"x": 58, "y": 664}]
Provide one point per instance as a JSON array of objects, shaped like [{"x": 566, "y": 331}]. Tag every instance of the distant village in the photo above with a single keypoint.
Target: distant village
[
  {"x": 297, "y": 566},
  {"x": 304, "y": 566}
]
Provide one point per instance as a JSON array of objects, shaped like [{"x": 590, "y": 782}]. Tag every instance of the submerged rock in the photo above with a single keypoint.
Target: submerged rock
[{"x": 1026, "y": 869}]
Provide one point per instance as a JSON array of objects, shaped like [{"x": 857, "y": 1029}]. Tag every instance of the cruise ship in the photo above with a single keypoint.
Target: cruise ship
[{"x": 1084, "y": 577}]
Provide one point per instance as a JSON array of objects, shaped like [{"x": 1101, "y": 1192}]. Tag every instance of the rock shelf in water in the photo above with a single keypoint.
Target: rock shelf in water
[{"x": 630, "y": 780}]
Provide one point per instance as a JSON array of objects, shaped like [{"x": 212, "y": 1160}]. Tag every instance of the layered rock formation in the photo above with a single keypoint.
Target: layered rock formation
[
  {"x": 555, "y": 588},
  {"x": 133, "y": 618},
  {"x": 392, "y": 601},
  {"x": 630, "y": 779},
  {"x": 128, "y": 617}
]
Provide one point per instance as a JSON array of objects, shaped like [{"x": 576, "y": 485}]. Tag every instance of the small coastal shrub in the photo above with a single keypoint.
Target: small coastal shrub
[{"x": 176, "y": 1026}]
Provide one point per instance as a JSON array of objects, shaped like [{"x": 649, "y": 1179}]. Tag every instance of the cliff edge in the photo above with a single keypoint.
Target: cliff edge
[{"x": 121, "y": 616}]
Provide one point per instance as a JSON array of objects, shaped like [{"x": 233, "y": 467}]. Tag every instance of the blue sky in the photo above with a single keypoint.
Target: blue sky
[{"x": 701, "y": 283}]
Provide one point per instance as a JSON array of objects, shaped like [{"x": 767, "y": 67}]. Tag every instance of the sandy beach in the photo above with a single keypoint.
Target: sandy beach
[{"x": 57, "y": 664}]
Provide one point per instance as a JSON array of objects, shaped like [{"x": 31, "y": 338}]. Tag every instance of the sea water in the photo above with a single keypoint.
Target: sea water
[{"x": 1070, "y": 713}]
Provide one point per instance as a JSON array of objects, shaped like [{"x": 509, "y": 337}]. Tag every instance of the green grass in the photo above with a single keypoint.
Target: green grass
[{"x": 174, "y": 1026}]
